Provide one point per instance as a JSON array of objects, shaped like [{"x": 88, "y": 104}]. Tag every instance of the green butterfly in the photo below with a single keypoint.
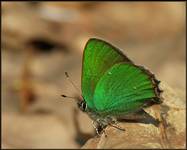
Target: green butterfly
[{"x": 113, "y": 86}]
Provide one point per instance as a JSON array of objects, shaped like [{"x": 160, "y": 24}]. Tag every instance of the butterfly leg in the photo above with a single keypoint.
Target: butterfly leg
[
  {"x": 99, "y": 128},
  {"x": 104, "y": 132},
  {"x": 96, "y": 128},
  {"x": 116, "y": 126}
]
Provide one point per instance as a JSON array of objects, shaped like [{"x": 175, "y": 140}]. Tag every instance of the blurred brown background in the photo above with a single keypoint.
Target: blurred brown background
[{"x": 42, "y": 40}]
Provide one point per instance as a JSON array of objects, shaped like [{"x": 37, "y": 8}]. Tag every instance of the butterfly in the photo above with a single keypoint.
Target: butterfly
[{"x": 113, "y": 86}]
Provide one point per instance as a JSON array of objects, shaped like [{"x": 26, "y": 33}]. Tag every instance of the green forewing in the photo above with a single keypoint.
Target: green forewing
[
  {"x": 122, "y": 89},
  {"x": 98, "y": 57}
]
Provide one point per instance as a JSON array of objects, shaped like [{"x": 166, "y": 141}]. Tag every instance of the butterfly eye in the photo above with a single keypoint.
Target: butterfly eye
[{"x": 82, "y": 105}]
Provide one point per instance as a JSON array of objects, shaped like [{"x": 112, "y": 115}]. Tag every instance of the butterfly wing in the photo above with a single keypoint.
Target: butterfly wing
[
  {"x": 124, "y": 88},
  {"x": 98, "y": 57}
]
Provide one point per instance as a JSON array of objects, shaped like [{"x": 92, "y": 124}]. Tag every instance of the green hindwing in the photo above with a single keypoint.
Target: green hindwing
[{"x": 124, "y": 88}]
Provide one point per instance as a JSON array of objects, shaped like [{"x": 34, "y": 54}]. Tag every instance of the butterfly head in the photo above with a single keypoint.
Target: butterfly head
[{"x": 81, "y": 103}]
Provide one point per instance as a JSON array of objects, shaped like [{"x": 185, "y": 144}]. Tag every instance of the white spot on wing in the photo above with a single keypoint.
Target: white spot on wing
[{"x": 109, "y": 73}]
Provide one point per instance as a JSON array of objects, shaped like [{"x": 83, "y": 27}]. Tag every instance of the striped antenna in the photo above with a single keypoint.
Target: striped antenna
[
  {"x": 71, "y": 97},
  {"x": 67, "y": 76}
]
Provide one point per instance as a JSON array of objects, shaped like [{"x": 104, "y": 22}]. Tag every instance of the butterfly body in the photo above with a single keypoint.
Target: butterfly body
[
  {"x": 100, "y": 121},
  {"x": 112, "y": 85}
]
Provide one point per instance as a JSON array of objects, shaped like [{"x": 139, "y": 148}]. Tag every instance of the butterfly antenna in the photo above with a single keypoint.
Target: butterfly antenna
[
  {"x": 65, "y": 96},
  {"x": 117, "y": 127},
  {"x": 67, "y": 76}
]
